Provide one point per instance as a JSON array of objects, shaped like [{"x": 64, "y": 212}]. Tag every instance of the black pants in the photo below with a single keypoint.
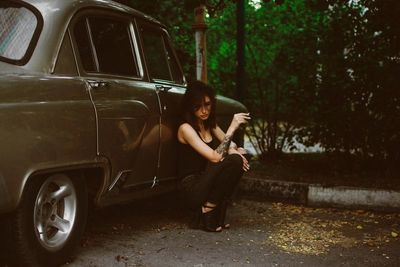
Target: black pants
[{"x": 216, "y": 184}]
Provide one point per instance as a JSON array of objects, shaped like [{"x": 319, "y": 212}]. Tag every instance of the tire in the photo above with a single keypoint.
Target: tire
[{"x": 50, "y": 220}]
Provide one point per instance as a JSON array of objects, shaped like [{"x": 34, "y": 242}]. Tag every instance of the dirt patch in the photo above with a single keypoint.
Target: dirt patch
[{"x": 315, "y": 231}]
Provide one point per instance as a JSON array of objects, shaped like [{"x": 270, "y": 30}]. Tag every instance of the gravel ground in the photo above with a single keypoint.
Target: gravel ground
[{"x": 154, "y": 233}]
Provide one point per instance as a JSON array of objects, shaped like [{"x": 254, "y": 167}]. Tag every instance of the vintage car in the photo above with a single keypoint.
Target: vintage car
[{"x": 89, "y": 107}]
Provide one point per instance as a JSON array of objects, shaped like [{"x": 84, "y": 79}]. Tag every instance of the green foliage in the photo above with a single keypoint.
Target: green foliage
[
  {"x": 358, "y": 107},
  {"x": 281, "y": 67},
  {"x": 320, "y": 71}
]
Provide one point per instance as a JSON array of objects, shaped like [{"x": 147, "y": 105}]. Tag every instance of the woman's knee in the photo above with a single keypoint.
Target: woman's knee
[{"x": 234, "y": 159}]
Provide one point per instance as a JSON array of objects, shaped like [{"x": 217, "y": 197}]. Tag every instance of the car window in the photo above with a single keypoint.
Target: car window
[
  {"x": 84, "y": 46},
  {"x": 113, "y": 46},
  {"x": 160, "y": 60},
  {"x": 176, "y": 72},
  {"x": 18, "y": 25},
  {"x": 105, "y": 46},
  {"x": 66, "y": 62}
]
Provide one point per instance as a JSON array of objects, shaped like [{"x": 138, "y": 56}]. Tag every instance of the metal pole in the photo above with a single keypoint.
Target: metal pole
[
  {"x": 240, "y": 50},
  {"x": 200, "y": 28}
]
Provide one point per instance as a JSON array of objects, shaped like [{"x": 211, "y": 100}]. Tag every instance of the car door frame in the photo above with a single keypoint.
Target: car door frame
[
  {"x": 170, "y": 93},
  {"x": 118, "y": 179}
]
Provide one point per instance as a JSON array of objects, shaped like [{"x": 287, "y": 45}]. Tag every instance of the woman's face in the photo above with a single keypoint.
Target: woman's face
[{"x": 202, "y": 111}]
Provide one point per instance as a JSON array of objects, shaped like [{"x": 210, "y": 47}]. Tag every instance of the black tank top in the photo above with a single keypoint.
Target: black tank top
[{"x": 190, "y": 161}]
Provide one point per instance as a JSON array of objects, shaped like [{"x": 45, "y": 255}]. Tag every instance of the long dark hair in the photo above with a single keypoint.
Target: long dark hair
[{"x": 195, "y": 93}]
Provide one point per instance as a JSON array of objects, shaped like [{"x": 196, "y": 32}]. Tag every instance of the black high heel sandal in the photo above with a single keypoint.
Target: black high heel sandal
[
  {"x": 209, "y": 220},
  {"x": 222, "y": 214}
]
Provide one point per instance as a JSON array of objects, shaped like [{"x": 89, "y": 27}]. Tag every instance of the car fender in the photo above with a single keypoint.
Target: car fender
[{"x": 45, "y": 122}]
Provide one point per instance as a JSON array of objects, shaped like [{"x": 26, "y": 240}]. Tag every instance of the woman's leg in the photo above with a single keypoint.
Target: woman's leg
[
  {"x": 214, "y": 186},
  {"x": 227, "y": 174},
  {"x": 226, "y": 177},
  {"x": 195, "y": 189}
]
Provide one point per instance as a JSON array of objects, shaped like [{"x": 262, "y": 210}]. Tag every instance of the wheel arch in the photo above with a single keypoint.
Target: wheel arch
[{"x": 94, "y": 176}]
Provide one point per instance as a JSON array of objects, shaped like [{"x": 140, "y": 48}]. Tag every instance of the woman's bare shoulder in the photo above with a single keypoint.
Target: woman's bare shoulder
[
  {"x": 185, "y": 130},
  {"x": 185, "y": 127}
]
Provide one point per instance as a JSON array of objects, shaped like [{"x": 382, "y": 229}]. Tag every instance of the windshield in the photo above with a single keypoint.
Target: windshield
[{"x": 17, "y": 28}]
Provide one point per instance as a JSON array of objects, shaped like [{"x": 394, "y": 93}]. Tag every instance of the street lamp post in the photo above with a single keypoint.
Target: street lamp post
[{"x": 200, "y": 28}]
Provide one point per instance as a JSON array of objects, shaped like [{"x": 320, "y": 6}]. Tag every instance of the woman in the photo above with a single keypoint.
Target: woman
[{"x": 210, "y": 164}]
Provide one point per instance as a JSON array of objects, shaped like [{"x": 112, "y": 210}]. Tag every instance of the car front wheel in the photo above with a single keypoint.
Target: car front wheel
[{"x": 50, "y": 220}]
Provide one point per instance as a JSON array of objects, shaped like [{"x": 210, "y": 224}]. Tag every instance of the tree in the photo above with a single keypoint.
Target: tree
[
  {"x": 358, "y": 109},
  {"x": 281, "y": 68}
]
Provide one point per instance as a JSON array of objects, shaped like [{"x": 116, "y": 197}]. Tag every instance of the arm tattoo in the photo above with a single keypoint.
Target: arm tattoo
[{"x": 223, "y": 147}]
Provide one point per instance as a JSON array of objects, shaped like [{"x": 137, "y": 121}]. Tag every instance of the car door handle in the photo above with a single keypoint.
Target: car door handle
[
  {"x": 163, "y": 88},
  {"x": 98, "y": 84}
]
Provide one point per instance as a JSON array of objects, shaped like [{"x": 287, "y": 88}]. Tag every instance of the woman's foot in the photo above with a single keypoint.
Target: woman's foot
[
  {"x": 222, "y": 214},
  {"x": 210, "y": 214}
]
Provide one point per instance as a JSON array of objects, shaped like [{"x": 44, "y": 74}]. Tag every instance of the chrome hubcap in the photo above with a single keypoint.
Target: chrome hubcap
[{"x": 55, "y": 212}]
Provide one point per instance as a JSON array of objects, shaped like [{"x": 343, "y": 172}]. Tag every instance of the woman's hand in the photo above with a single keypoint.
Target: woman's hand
[
  {"x": 246, "y": 164},
  {"x": 239, "y": 119},
  {"x": 241, "y": 150}
]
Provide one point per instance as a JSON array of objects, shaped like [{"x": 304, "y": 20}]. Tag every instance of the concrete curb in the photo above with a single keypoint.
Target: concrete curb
[
  {"x": 275, "y": 190},
  {"x": 343, "y": 196},
  {"x": 317, "y": 195}
]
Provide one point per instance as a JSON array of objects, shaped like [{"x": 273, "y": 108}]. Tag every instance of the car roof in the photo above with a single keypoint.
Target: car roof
[
  {"x": 71, "y": 6},
  {"x": 56, "y": 15}
]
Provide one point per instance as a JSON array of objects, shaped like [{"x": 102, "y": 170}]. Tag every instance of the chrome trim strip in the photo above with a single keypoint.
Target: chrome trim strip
[
  {"x": 89, "y": 88},
  {"x": 119, "y": 175},
  {"x": 73, "y": 52},
  {"x": 92, "y": 46},
  {"x": 136, "y": 48},
  {"x": 155, "y": 182},
  {"x": 159, "y": 136}
]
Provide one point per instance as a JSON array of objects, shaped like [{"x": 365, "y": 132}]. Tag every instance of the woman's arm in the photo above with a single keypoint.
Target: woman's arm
[
  {"x": 233, "y": 148},
  {"x": 217, "y": 131},
  {"x": 237, "y": 120},
  {"x": 187, "y": 135}
]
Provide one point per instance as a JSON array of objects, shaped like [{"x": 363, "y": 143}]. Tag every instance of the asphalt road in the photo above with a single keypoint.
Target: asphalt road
[{"x": 154, "y": 233}]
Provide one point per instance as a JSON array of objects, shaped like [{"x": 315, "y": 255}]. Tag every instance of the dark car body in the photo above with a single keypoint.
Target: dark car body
[{"x": 90, "y": 90}]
